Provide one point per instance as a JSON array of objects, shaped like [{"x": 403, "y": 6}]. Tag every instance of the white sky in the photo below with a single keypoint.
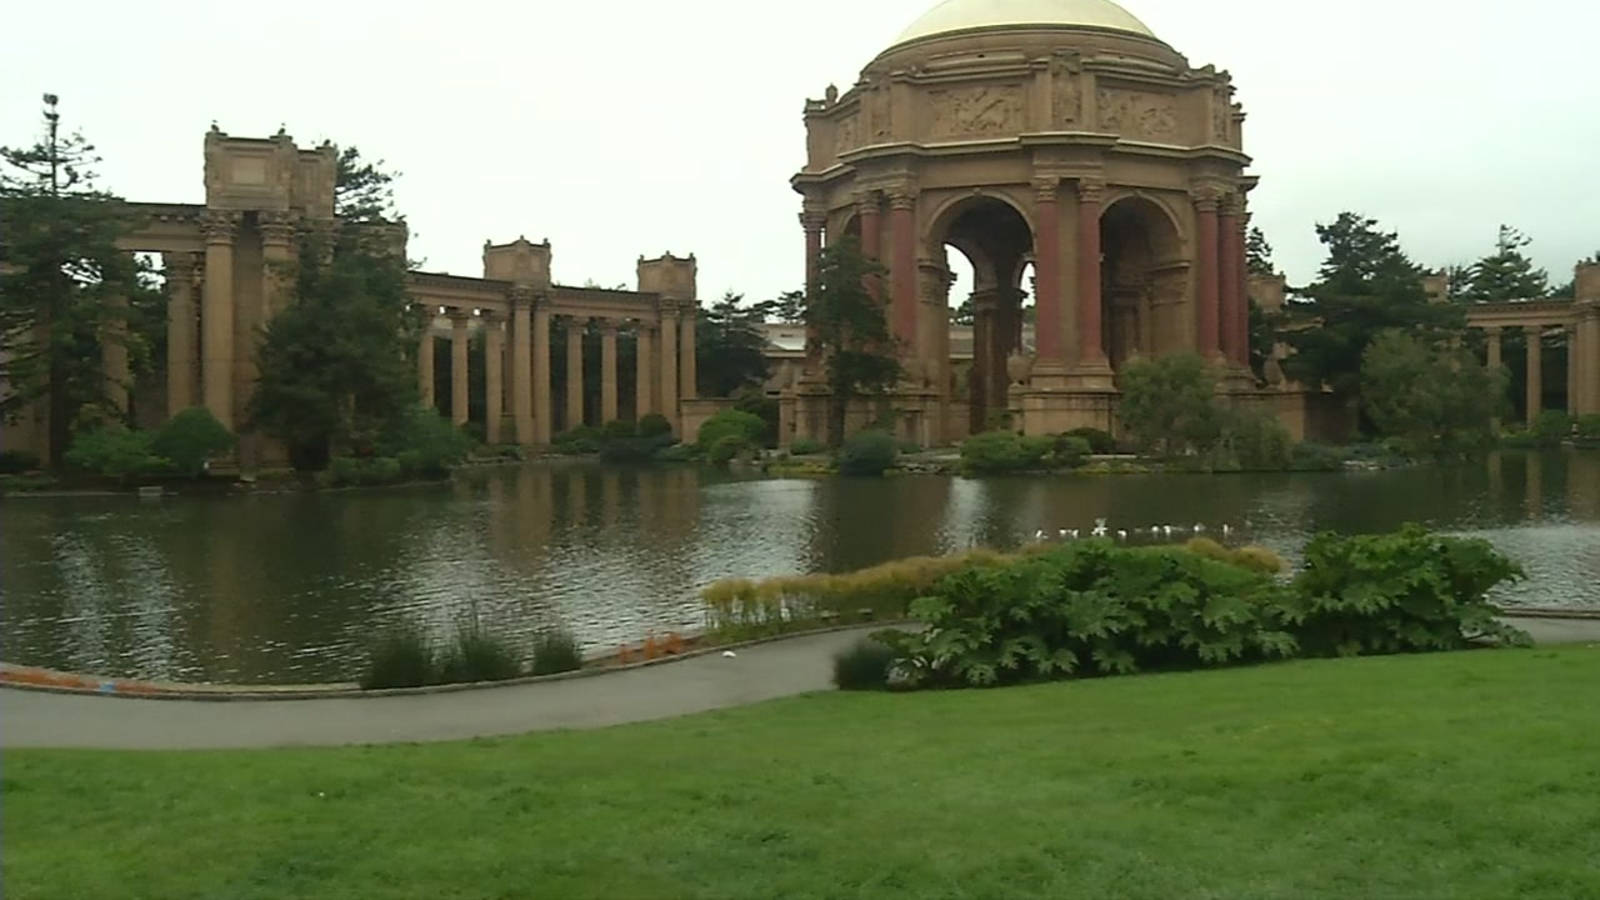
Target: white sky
[{"x": 617, "y": 129}]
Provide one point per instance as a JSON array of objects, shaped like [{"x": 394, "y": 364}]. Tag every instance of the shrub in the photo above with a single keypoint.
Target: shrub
[
  {"x": 117, "y": 452},
  {"x": 1588, "y": 430},
  {"x": 755, "y": 401},
  {"x": 726, "y": 448},
  {"x": 556, "y": 651},
  {"x": 476, "y": 655},
  {"x": 425, "y": 444},
  {"x": 675, "y": 453},
  {"x": 1100, "y": 442},
  {"x": 1551, "y": 428},
  {"x": 1391, "y": 593},
  {"x": 1002, "y": 451},
  {"x": 15, "y": 462},
  {"x": 579, "y": 441},
  {"x": 190, "y": 438},
  {"x": 867, "y": 452},
  {"x": 909, "y": 447},
  {"x": 805, "y": 447},
  {"x": 1070, "y": 450},
  {"x": 653, "y": 425},
  {"x": 863, "y": 666},
  {"x": 621, "y": 442},
  {"x": 1259, "y": 441},
  {"x": 400, "y": 657},
  {"x": 747, "y": 427},
  {"x": 350, "y": 471}
]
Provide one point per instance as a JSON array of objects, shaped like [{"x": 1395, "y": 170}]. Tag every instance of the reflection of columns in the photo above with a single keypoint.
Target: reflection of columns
[
  {"x": 543, "y": 403},
  {"x": 1492, "y": 336},
  {"x": 643, "y": 377},
  {"x": 216, "y": 315},
  {"x": 608, "y": 371},
  {"x": 1047, "y": 270},
  {"x": 1206, "y": 251},
  {"x": 277, "y": 236},
  {"x": 114, "y": 353},
  {"x": 903, "y": 268},
  {"x": 1230, "y": 301},
  {"x": 1535, "y": 343},
  {"x": 425, "y": 361},
  {"x": 522, "y": 366},
  {"x": 575, "y": 327},
  {"x": 494, "y": 342},
  {"x": 1091, "y": 346},
  {"x": 458, "y": 366},
  {"x": 686, "y": 360},
  {"x": 669, "y": 362},
  {"x": 183, "y": 329}
]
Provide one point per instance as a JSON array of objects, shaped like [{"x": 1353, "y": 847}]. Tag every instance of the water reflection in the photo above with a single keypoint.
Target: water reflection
[{"x": 289, "y": 587}]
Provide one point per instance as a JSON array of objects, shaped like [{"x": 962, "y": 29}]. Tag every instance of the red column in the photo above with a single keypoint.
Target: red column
[
  {"x": 903, "y": 268},
  {"x": 871, "y": 228},
  {"x": 1241, "y": 288},
  {"x": 1206, "y": 250},
  {"x": 1091, "y": 348},
  {"x": 1228, "y": 289},
  {"x": 1047, "y": 270},
  {"x": 813, "y": 223}
]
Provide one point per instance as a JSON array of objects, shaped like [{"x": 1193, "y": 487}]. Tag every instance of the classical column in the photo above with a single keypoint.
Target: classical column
[
  {"x": 1047, "y": 270},
  {"x": 1206, "y": 252},
  {"x": 1091, "y": 347},
  {"x": 494, "y": 348},
  {"x": 216, "y": 315},
  {"x": 277, "y": 238},
  {"x": 1535, "y": 370},
  {"x": 575, "y": 327},
  {"x": 522, "y": 366},
  {"x": 903, "y": 268},
  {"x": 1230, "y": 302},
  {"x": 813, "y": 221},
  {"x": 425, "y": 361},
  {"x": 669, "y": 363},
  {"x": 643, "y": 372},
  {"x": 114, "y": 354},
  {"x": 1492, "y": 338},
  {"x": 1574, "y": 369},
  {"x": 867, "y": 206},
  {"x": 183, "y": 329},
  {"x": 458, "y": 366},
  {"x": 608, "y": 371},
  {"x": 1241, "y": 288},
  {"x": 543, "y": 403},
  {"x": 687, "y": 388}
]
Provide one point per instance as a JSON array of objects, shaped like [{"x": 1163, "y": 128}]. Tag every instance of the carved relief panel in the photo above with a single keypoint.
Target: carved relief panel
[
  {"x": 1141, "y": 115},
  {"x": 976, "y": 111},
  {"x": 846, "y": 134},
  {"x": 1065, "y": 101}
]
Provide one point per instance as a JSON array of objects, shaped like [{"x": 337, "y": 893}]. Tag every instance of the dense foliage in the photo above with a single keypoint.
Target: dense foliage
[
  {"x": 1000, "y": 451},
  {"x": 863, "y": 666},
  {"x": 729, "y": 345},
  {"x": 1437, "y": 399},
  {"x": 1169, "y": 405},
  {"x": 180, "y": 447},
  {"x": 851, "y": 331},
  {"x": 868, "y": 452},
  {"x": 1100, "y": 442},
  {"x": 621, "y": 442},
  {"x": 190, "y": 439}
]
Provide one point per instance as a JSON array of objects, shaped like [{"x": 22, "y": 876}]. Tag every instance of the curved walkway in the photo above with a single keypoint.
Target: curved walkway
[{"x": 760, "y": 672}]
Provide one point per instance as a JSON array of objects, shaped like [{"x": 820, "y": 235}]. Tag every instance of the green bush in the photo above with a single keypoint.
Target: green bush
[
  {"x": 1070, "y": 450},
  {"x": 805, "y": 447},
  {"x": 190, "y": 438},
  {"x": 401, "y": 657},
  {"x": 476, "y": 655},
  {"x": 556, "y": 651},
  {"x": 1551, "y": 428},
  {"x": 1260, "y": 443},
  {"x": 580, "y": 441},
  {"x": 726, "y": 448},
  {"x": 867, "y": 452},
  {"x": 653, "y": 425},
  {"x": 675, "y": 453},
  {"x": 1588, "y": 430},
  {"x": 426, "y": 444},
  {"x": 117, "y": 452},
  {"x": 1392, "y": 593},
  {"x": 1100, "y": 442},
  {"x": 620, "y": 442},
  {"x": 1312, "y": 457},
  {"x": 747, "y": 427},
  {"x": 15, "y": 462},
  {"x": 754, "y": 400},
  {"x": 348, "y": 471},
  {"x": 909, "y": 447},
  {"x": 863, "y": 666},
  {"x": 1003, "y": 451}
]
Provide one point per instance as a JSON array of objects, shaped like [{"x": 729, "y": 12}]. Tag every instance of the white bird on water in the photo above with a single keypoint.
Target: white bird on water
[
  {"x": 1122, "y": 534},
  {"x": 1226, "y": 528},
  {"x": 1099, "y": 528},
  {"x": 1039, "y": 535},
  {"x": 1167, "y": 529},
  {"x": 728, "y": 654},
  {"x": 1198, "y": 528}
]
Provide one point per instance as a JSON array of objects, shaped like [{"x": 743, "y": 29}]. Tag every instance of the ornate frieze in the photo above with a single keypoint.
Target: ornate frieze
[
  {"x": 1138, "y": 114},
  {"x": 1066, "y": 104},
  {"x": 846, "y": 134},
  {"x": 1221, "y": 112},
  {"x": 977, "y": 111}
]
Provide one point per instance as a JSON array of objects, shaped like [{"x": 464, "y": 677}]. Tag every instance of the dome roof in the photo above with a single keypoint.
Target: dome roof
[{"x": 966, "y": 15}]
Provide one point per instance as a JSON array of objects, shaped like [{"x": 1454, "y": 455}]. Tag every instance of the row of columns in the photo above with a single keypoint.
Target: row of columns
[
  {"x": 1222, "y": 314},
  {"x": 1583, "y": 365},
  {"x": 532, "y": 405}
]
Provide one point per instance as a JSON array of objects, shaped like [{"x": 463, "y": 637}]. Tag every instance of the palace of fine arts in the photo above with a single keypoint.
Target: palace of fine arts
[{"x": 932, "y": 448}]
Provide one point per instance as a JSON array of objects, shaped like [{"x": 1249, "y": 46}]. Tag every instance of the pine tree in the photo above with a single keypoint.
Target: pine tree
[
  {"x": 1507, "y": 273},
  {"x": 851, "y": 331},
  {"x": 729, "y": 346},
  {"x": 1258, "y": 253},
  {"x": 65, "y": 287}
]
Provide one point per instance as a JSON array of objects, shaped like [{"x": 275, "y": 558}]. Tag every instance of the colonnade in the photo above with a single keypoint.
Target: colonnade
[
  {"x": 519, "y": 343},
  {"x": 1580, "y": 325}
]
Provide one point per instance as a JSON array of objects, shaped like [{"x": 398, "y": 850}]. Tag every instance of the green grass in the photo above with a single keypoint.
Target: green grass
[{"x": 1459, "y": 775}]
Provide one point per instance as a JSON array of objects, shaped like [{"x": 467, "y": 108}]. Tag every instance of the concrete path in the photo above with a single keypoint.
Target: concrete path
[{"x": 761, "y": 672}]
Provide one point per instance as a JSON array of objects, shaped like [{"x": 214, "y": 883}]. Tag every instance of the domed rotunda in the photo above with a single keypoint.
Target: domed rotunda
[{"x": 1061, "y": 134}]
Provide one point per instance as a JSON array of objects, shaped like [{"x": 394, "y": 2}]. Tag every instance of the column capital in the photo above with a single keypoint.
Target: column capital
[
  {"x": 183, "y": 265},
  {"x": 1492, "y": 330},
  {"x": 608, "y": 327},
  {"x": 277, "y": 227},
  {"x": 813, "y": 217},
  {"x": 1046, "y": 188},
  {"x": 667, "y": 306},
  {"x": 903, "y": 196},
  {"x": 458, "y": 314},
  {"x": 1207, "y": 197},
  {"x": 868, "y": 201},
  {"x": 1091, "y": 190},
  {"x": 219, "y": 226}
]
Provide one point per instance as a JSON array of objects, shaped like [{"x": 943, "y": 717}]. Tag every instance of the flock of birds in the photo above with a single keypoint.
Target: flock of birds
[{"x": 1157, "y": 532}]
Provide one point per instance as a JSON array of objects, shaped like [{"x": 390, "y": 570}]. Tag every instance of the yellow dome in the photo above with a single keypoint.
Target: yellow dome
[{"x": 966, "y": 15}]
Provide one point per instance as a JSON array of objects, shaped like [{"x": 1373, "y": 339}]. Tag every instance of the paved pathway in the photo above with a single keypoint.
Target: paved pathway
[{"x": 762, "y": 672}]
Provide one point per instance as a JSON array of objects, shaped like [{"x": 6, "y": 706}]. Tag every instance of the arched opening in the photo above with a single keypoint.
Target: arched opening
[
  {"x": 1144, "y": 282},
  {"x": 994, "y": 240}
]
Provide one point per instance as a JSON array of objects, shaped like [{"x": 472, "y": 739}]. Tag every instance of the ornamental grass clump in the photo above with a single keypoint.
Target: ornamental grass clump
[
  {"x": 401, "y": 657},
  {"x": 477, "y": 655},
  {"x": 556, "y": 651}
]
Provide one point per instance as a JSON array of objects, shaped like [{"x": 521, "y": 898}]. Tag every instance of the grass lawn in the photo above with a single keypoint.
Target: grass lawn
[{"x": 1458, "y": 775}]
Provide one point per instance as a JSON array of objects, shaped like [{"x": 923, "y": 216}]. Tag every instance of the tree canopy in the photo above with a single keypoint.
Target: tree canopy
[
  {"x": 1505, "y": 274},
  {"x": 1436, "y": 398},
  {"x": 728, "y": 345},
  {"x": 851, "y": 330}
]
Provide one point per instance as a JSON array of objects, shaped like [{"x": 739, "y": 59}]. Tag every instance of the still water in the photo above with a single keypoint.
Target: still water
[{"x": 288, "y": 588}]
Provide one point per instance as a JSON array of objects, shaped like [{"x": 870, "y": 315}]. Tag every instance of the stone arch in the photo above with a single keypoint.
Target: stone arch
[{"x": 1144, "y": 278}]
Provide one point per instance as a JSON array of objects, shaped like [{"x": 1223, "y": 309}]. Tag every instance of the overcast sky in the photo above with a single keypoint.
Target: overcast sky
[{"x": 624, "y": 128}]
